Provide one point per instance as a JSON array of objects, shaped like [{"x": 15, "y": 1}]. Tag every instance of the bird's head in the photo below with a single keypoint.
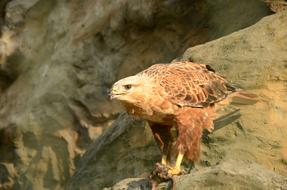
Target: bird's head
[{"x": 131, "y": 89}]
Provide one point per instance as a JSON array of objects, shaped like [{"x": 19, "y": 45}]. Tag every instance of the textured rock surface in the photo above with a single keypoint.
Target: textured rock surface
[
  {"x": 277, "y": 5},
  {"x": 228, "y": 175},
  {"x": 53, "y": 88},
  {"x": 126, "y": 149},
  {"x": 233, "y": 174},
  {"x": 256, "y": 59}
]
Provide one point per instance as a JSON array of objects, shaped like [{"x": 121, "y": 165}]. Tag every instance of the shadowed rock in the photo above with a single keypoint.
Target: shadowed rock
[{"x": 232, "y": 174}]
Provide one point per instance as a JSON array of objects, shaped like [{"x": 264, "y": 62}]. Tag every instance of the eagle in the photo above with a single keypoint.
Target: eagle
[{"x": 180, "y": 95}]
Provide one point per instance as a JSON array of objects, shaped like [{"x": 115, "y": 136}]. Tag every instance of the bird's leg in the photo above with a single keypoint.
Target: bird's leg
[
  {"x": 176, "y": 169},
  {"x": 178, "y": 160},
  {"x": 165, "y": 153},
  {"x": 164, "y": 159}
]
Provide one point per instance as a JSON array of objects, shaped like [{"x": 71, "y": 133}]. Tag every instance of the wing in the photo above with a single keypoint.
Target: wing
[{"x": 194, "y": 85}]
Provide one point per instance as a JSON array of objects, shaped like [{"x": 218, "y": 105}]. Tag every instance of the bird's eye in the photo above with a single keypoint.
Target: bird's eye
[{"x": 128, "y": 86}]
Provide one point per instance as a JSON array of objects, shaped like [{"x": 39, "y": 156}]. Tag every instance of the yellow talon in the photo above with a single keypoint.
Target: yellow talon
[{"x": 176, "y": 170}]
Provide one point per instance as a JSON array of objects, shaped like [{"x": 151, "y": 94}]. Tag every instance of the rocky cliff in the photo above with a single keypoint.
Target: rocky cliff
[
  {"x": 58, "y": 58},
  {"x": 254, "y": 58}
]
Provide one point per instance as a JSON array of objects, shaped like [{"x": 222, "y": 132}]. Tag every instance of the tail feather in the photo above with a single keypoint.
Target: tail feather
[
  {"x": 227, "y": 111},
  {"x": 226, "y": 119},
  {"x": 243, "y": 98}
]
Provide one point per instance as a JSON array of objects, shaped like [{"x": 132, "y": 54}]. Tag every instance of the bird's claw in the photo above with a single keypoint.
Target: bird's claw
[
  {"x": 165, "y": 172},
  {"x": 174, "y": 171}
]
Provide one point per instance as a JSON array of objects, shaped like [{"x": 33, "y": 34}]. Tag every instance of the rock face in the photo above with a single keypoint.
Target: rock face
[
  {"x": 277, "y": 5},
  {"x": 53, "y": 101},
  {"x": 232, "y": 174},
  {"x": 126, "y": 149},
  {"x": 229, "y": 175},
  {"x": 254, "y": 58}
]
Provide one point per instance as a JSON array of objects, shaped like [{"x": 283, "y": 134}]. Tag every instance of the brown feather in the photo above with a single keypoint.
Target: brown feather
[
  {"x": 190, "y": 124},
  {"x": 189, "y": 84},
  {"x": 181, "y": 94}
]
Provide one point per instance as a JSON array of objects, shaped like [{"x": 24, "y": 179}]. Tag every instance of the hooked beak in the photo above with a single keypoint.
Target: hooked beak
[{"x": 114, "y": 91}]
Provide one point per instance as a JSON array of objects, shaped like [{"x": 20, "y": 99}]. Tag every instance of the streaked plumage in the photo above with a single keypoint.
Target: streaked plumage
[
  {"x": 180, "y": 95},
  {"x": 188, "y": 84}
]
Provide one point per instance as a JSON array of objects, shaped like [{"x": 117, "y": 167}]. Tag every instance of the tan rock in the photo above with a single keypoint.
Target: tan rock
[
  {"x": 254, "y": 58},
  {"x": 231, "y": 174},
  {"x": 69, "y": 53}
]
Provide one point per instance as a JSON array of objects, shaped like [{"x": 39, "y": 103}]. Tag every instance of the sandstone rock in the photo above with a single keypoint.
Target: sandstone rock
[
  {"x": 69, "y": 52},
  {"x": 127, "y": 148},
  {"x": 131, "y": 183},
  {"x": 232, "y": 174},
  {"x": 277, "y": 5},
  {"x": 254, "y": 58}
]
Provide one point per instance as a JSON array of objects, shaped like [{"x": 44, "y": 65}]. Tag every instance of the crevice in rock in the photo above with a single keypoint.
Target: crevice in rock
[
  {"x": 3, "y": 5},
  {"x": 7, "y": 145}
]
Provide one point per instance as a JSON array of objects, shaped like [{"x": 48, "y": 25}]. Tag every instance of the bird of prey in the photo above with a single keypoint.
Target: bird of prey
[{"x": 181, "y": 95}]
